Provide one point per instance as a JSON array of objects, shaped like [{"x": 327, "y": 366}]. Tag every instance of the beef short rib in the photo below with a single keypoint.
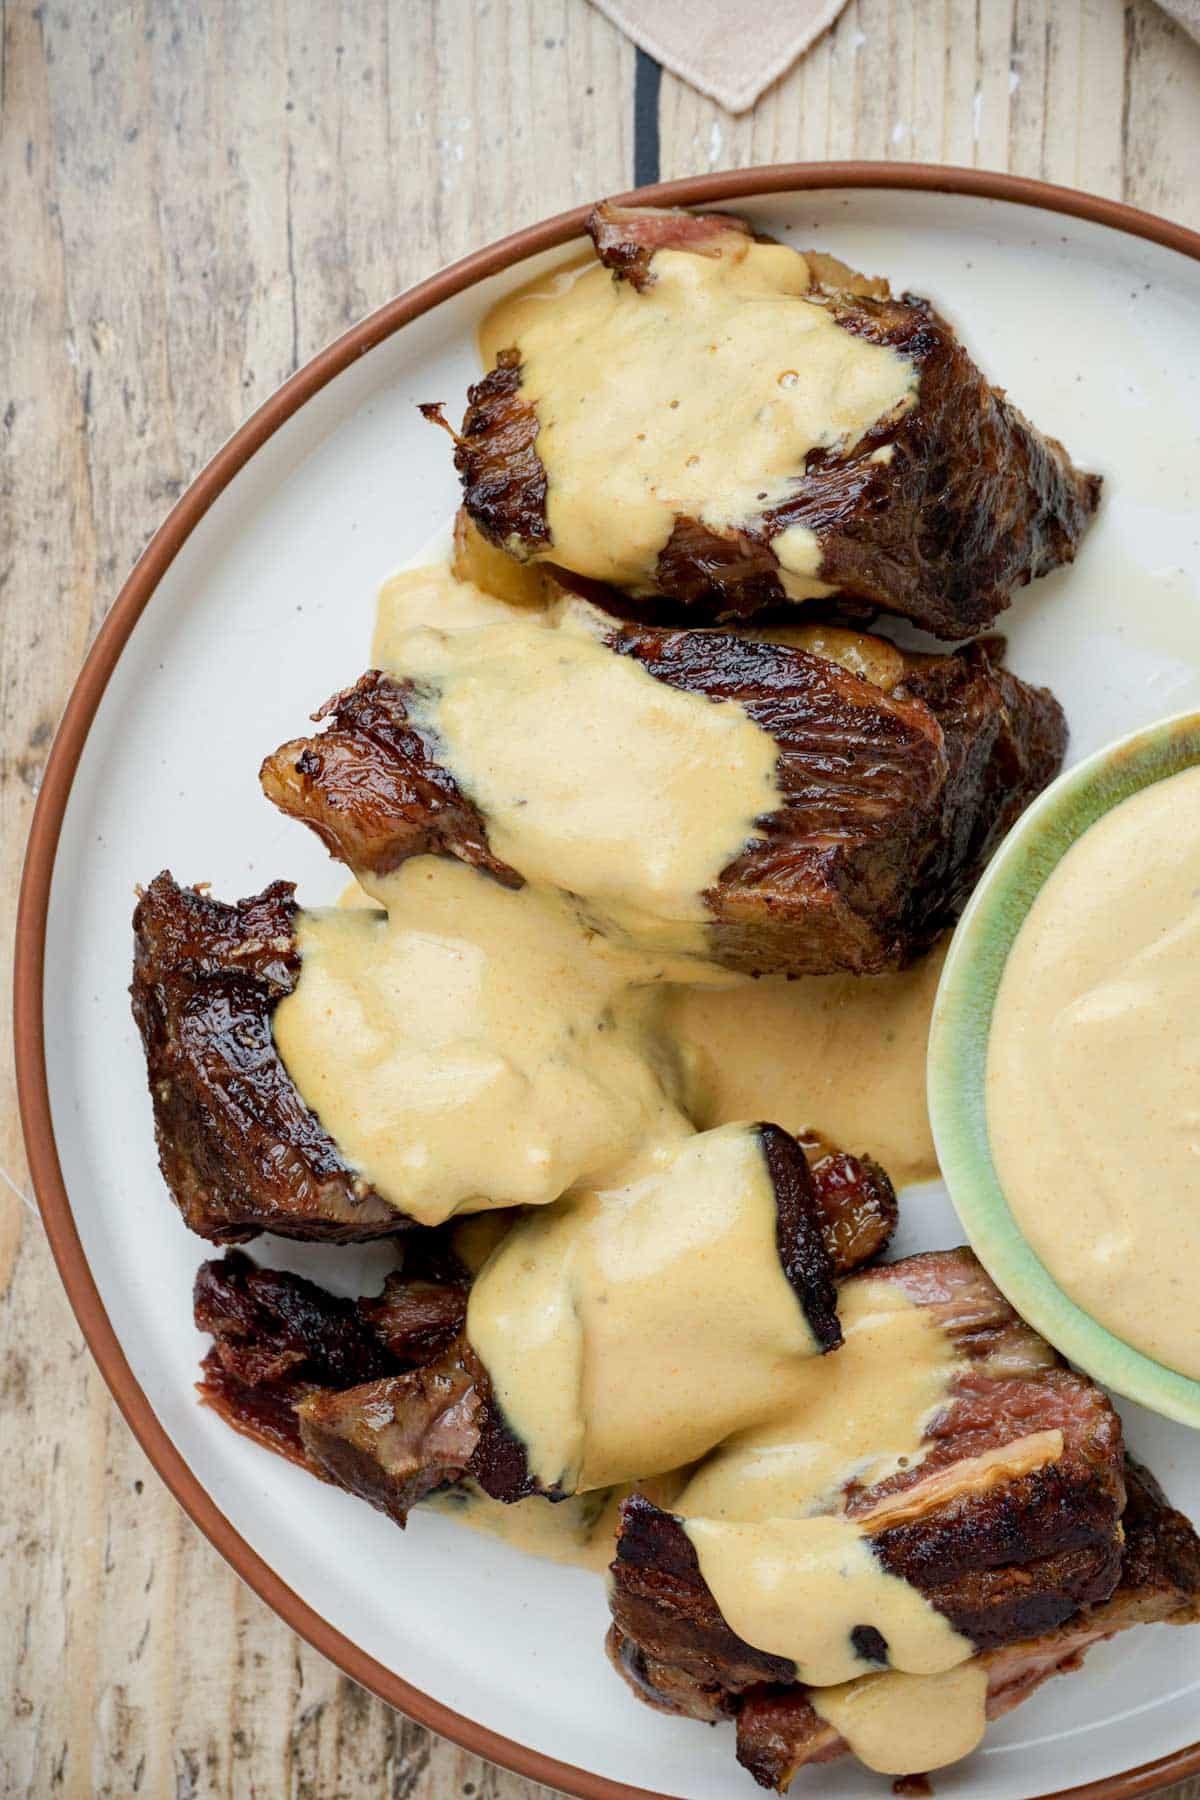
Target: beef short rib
[
  {"x": 1003, "y": 1558},
  {"x": 239, "y": 1150},
  {"x": 937, "y": 513},
  {"x": 780, "y": 1732},
  {"x": 891, "y": 802}
]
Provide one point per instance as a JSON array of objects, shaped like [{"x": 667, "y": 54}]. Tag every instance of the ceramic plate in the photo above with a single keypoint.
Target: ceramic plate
[{"x": 254, "y": 601}]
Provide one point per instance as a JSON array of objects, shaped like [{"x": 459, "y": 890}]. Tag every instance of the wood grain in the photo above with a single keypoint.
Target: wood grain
[{"x": 193, "y": 198}]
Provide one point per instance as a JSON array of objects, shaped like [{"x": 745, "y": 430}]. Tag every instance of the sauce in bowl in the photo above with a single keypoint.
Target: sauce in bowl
[{"x": 1093, "y": 1072}]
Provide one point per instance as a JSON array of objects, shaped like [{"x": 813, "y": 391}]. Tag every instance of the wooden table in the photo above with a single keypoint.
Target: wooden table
[{"x": 193, "y": 198}]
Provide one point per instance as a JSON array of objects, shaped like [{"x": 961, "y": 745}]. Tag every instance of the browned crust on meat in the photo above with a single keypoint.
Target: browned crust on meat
[
  {"x": 1160, "y": 1576},
  {"x": 779, "y": 1731},
  {"x": 1005, "y": 740},
  {"x": 798, "y": 1234},
  {"x": 382, "y": 1396},
  {"x": 971, "y": 503},
  {"x": 371, "y": 789},
  {"x": 497, "y": 458},
  {"x": 1021, "y": 1557},
  {"x": 860, "y": 774},
  {"x": 626, "y": 237},
  {"x": 858, "y": 1208},
  {"x": 891, "y": 802},
  {"x": 1012, "y": 1387},
  {"x": 662, "y": 1604},
  {"x": 1002, "y": 1560},
  {"x": 278, "y": 1338},
  {"x": 238, "y": 1148},
  {"x": 393, "y": 1441}
]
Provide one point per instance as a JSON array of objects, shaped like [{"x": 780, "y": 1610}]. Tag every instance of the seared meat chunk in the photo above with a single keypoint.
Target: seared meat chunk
[
  {"x": 415, "y": 1411},
  {"x": 278, "y": 1338},
  {"x": 937, "y": 512},
  {"x": 504, "y": 482},
  {"x": 857, "y": 1207},
  {"x": 239, "y": 1149},
  {"x": 626, "y": 237},
  {"x": 1008, "y": 1525},
  {"x": 891, "y": 802},
  {"x": 391, "y": 1442},
  {"x": 780, "y": 1732},
  {"x": 803, "y": 1224},
  {"x": 371, "y": 778},
  {"x": 382, "y": 1396}
]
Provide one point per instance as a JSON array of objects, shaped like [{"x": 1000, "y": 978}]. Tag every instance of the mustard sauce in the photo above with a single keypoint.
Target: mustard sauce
[
  {"x": 472, "y": 1046},
  {"x": 840, "y": 1058},
  {"x": 627, "y": 1330},
  {"x": 794, "y": 1576},
  {"x": 593, "y": 776},
  {"x": 1093, "y": 1072},
  {"x": 699, "y": 396}
]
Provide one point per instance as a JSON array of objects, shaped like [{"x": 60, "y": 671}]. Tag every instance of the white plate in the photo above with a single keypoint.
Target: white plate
[{"x": 265, "y": 610}]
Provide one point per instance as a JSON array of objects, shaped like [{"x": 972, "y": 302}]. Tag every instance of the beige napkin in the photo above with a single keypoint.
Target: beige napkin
[
  {"x": 1185, "y": 13},
  {"x": 732, "y": 50}
]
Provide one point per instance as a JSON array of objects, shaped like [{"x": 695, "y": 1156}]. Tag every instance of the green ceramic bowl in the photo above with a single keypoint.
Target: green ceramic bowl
[{"x": 958, "y": 1042}]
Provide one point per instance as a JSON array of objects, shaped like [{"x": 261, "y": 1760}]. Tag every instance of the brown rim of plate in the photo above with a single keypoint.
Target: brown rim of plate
[{"x": 28, "y": 1025}]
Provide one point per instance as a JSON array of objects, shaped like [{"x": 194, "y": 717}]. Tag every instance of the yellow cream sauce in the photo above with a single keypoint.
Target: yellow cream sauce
[
  {"x": 789, "y": 1572},
  {"x": 905, "y": 1724},
  {"x": 799, "y": 1588},
  {"x": 472, "y": 1046},
  {"x": 699, "y": 396},
  {"x": 580, "y": 1531},
  {"x": 839, "y": 1058},
  {"x": 794, "y": 1576},
  {"x": 1093, "y": 1073},
  {"x": 593, "y": 776},
  {"x": 860, "y": 1413},
  {"x": 627, "y": 1330}
]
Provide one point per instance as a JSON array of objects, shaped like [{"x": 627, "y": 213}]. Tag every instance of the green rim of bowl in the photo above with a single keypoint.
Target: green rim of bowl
[{"x": 957, "y": 1060}]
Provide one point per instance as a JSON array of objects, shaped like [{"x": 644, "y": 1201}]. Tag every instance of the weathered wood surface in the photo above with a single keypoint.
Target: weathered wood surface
[{"x": 193, "y": 198}]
